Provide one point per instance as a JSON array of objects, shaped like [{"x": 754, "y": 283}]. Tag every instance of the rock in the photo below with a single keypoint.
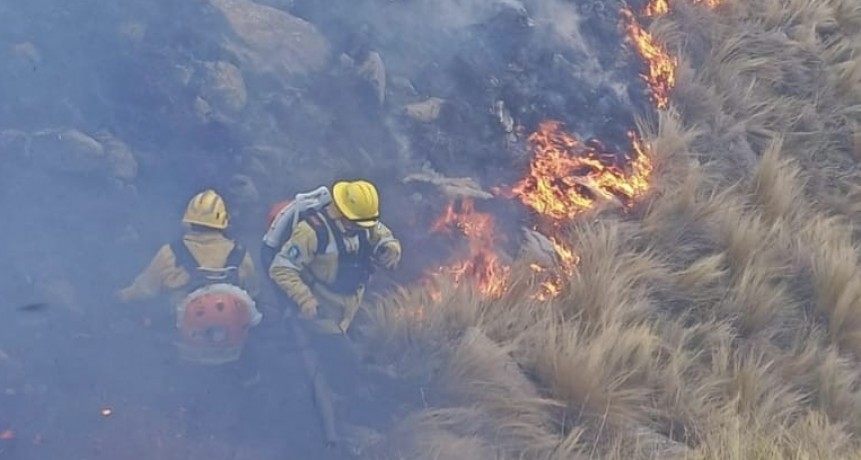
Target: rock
[
  {"x": 374, "y": 71},
  {"x": 70, "y": 150},
  {"x": 119, "y": 156},
  {"x": 271, "y": 40},
  {"x": 537, "y": 248},
  {"x": 425, "y": 111},
  {"x": 202, "y": 109},
  {"x": 461, "y": 187},
  {"x": 223, "y": 89}
]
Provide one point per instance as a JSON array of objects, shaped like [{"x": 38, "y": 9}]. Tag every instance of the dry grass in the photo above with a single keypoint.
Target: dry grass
[{"x": 722, "y": 319}]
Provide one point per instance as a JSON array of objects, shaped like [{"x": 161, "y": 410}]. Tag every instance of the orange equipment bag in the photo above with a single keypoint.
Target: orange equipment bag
[{"x": 213, "y": 323}]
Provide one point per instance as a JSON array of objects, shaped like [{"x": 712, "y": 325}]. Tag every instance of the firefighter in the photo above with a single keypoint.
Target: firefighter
[
  {"x": 207, "y": 274},
  {"x": 326, "y": 263}
]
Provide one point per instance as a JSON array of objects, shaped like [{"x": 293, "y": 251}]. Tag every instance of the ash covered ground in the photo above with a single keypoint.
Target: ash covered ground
[{"x": 113, "y": 114}]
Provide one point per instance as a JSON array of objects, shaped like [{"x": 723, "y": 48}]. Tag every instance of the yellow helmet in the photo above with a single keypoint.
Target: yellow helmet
[
  {"x": 357, "y": 201},
  {"x": 207, "y": 209}
]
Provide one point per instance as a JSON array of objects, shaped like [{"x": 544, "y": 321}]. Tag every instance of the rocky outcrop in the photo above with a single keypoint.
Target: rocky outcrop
[
  {"x": 223, "y": 94},
  {"x": 269, "y": 40},
  {"x": 72, "y": 151}
]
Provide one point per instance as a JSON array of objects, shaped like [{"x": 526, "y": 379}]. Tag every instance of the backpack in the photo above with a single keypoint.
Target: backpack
[
  {"x": 281, "y": 225},
  {"x": 284, "y": 217},
  {"x": 201, "y": 276}
]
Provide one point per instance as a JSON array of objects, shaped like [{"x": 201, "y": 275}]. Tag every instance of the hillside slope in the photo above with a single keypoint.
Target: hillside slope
[{"x": 721, "y": 317}]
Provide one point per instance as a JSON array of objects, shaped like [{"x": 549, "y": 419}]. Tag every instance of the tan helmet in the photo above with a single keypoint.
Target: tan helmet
[
  {"x": 207, "y": 209},
  {"x": 357, "y": 201}
]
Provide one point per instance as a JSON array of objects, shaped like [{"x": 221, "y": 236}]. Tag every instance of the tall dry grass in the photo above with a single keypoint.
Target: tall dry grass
[{"x": 719, "y": 320}]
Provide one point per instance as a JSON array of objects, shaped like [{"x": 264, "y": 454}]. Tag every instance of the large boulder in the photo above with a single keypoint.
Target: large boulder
[
  {"x": 70, "y": 150},
  {"x": 223, "y": 94},
  {"x": 271, "y": 40}
]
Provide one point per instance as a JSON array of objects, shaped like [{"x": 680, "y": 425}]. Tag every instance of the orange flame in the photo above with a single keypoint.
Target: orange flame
[
  {"x": 709, "y": 3},
  {"x": 661, "y": 7},
  {"x": 481, "y": 263},
  {"x": 657, "y": 8},
  {"x": 554, "y": 281},
  {"x": 661, "y": 77},
  {"x": 568, "y": 177}
]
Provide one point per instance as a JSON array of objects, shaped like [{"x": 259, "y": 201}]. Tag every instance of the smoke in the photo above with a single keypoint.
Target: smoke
[{"x": 112, "y": 115}]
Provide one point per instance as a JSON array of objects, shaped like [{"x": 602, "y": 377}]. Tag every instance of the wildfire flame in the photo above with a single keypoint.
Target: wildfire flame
[
  {"x": 553, "y": 282},
  {"x": 657, "y": 8},
  {"x": 709, "y": 3},
  {"x": 661, "y": 7},
  {"x": 568, "y": 177},
  {"x": 481, "y": 264},
  {"x": 661, "y": 77}
]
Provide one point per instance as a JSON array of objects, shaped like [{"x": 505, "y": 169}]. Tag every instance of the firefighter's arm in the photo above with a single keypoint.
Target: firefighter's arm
[
  {"x": 387, "y": 248},
  {"x": 294, "y": 256},
  {"x": 153, "y": 279},
  {"x": 248, "y": 277}
]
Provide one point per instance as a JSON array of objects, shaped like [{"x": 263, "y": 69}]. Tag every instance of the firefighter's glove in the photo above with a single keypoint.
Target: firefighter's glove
[
  {"x": 308, "y": 308},
  {"x": 389, "y": 255}
]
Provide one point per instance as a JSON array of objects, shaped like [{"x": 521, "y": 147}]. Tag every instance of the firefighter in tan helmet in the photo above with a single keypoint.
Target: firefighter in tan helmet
[{"x": 326, "y": 263}]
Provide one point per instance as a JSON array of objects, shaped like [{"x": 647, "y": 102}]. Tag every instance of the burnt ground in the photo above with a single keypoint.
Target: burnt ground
[{"x": 162, "y": 408}]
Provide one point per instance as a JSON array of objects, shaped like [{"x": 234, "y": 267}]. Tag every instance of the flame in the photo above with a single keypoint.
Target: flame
[
  {"x": 481, "y": 263},
  {"x": 657, "y": 8},
  {"x": 661, "y": 7},
  {"x": 553, "y": 281},
  {"x": 661, "y": 77},
  {"x": 709, "y": 3},
  {"x": 568, "y": 177}
]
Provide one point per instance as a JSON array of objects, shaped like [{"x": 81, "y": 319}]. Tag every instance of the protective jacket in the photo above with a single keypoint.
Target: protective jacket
[
  {"x": 321, "y": 264},
  {"x": 210, "y": 250}
]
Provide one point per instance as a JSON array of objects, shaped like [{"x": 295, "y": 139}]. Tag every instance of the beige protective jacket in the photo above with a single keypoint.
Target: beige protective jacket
[{"x": 210, "y": 249}]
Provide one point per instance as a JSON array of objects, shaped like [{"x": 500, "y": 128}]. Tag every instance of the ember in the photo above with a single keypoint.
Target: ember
[
  {"x": 568, "y": 177},
  {"x": 662, "y": 66},
  {"x": 481, "y": 263}
]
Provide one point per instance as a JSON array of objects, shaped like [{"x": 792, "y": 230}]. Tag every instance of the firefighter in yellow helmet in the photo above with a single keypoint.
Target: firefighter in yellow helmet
[
  {"x": 205, "y": 219},
  {"x": 326, "y": 263},
  {"x": 211, "y": 280}
]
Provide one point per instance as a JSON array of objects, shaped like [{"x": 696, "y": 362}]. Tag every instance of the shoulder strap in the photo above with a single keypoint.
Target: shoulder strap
[
  {"x": 315, "y": 220},
  {"x": 236, "y": 256},
  {"x": 184, "y": 257},
  {"x": 234, "y": 261}
]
